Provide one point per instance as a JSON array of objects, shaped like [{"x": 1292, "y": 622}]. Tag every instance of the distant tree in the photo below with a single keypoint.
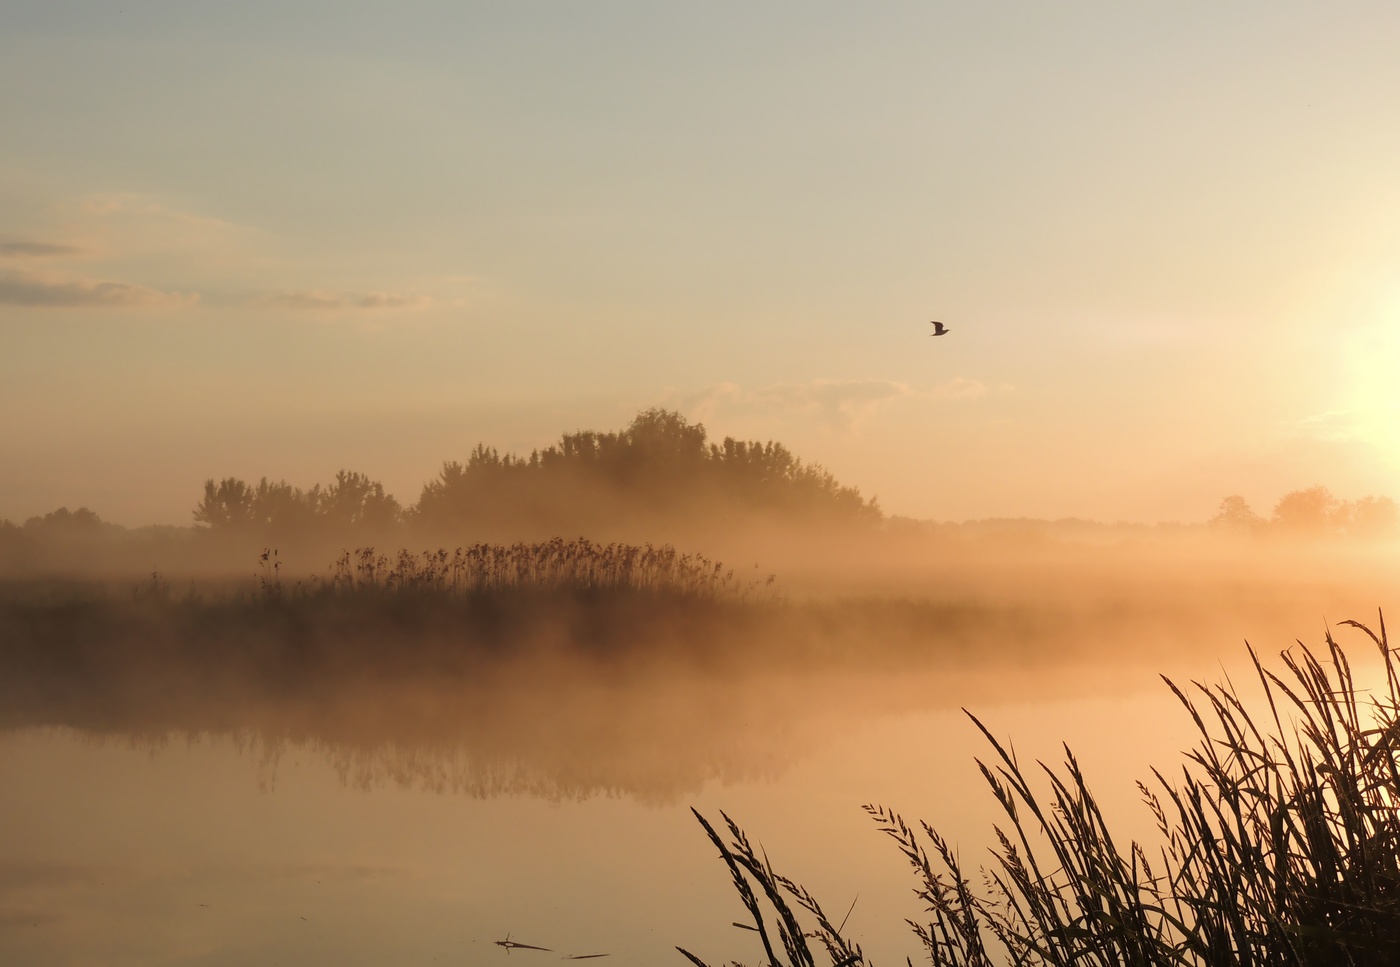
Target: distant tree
[
  {"x": 60, "y": 536},
  {"x": 275, "y": 510},
  {"x": 1373, "y": 517},
  {"x": 66, "y": 523},
  {"x": 227, "y": 505},
  {"x": 1235, "y": 514},
  {"x": 356, "y": 501},
  {"x": 486, "y": 485},
  {"x": 658, "y": 471},
  {"x": 662, "y": 442},
  {"x": 1310, "y": 511},
  {"x": 281, "y": 509},
  {"x": 660, "y": 467},
  {"x": 1316, "y": 512}
]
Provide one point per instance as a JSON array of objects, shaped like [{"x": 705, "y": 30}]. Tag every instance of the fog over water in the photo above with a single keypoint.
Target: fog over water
[{"x": 251, "y": 768}]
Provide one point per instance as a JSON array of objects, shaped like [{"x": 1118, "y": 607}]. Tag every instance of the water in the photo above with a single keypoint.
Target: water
[
  {"x": 152, "y": 815},
  {"x": 338, "y": 846}
]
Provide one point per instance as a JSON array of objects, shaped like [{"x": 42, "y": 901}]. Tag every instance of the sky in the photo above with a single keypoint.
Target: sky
[{"x": 282, "y": 239}]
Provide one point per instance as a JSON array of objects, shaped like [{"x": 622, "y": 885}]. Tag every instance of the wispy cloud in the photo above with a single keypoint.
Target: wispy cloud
[
  {"x": 317, "y": 299},
  {"x": 141, "y": 206},
  {"x": 35, "y": 290},
  {"x": 962, "y": 388},
  {"x": 390, "y": 300},
  {"x": 128, "y": 226},
  {"x": 37, "y": 250},
  {"x": 1373, "y": 423},
  {"x": 44, "y": 292},
  {"x": 1331, "y": 425},
  {"x": 839, "y": 404},
  {"x": 221, "y": 264},
  {"x": 122, "y": 239}
]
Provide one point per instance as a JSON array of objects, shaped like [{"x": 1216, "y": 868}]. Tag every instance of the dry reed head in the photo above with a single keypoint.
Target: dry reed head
[
  {"x": 1280, "y": 845},
  {"x": 577, "y": 565}
]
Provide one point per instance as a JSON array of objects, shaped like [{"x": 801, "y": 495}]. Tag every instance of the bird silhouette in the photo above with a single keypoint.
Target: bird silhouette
[{"x": 938, "y": 329}]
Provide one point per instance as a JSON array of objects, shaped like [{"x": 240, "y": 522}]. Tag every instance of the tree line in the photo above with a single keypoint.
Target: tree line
[
  {"x": 659, "y": 470},
  {"x": 659, "y": 479},
  {"x": 1312, "y": 512}
]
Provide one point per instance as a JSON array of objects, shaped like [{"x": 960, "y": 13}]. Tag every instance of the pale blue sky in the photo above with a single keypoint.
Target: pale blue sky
[{"x": 311, "y": 236}]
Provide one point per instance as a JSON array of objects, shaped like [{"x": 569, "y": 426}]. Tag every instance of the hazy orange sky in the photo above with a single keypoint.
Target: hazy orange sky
[{"x": 281, "y": 239}]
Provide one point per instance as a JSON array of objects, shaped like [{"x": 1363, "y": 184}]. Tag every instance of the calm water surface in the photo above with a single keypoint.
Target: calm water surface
[
  {"x": 144, "y": 822},
  {"x": 198, "y": 847}
]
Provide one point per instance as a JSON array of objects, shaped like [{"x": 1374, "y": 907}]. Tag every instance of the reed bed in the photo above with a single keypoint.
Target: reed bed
[
  {"x": 435, "y": 616},
  {"x": 575, "y": 565},
  {"x": 1279, "y": 845}
]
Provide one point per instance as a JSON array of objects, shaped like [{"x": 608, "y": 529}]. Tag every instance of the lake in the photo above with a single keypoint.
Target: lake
[
  {"x": 155, "y": 817},
  {"x": 231, "y": 848}
]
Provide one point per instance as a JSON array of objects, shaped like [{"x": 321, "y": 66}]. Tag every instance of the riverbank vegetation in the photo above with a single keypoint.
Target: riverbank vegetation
[
  {"x": 373, "y": 613},
  {"x": 1279, "y": 845},
  {"x": 560, "y": 669},
  {"x": 661, "y": 479}
]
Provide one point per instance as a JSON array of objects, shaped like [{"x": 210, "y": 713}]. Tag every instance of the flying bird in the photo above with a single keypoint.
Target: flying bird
[{"x": 938, "y": 329}]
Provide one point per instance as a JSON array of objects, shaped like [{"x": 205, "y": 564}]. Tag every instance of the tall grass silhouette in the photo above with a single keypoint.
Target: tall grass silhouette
[
  {"x": 555, "y": 565},
  {"x": 373, "y": 612},
  {"x": 1280, "y": 845}
]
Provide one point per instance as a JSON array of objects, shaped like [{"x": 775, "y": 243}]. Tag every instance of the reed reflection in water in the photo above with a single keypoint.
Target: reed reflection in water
[
  {"x": 125, "y": 840},
  {"x": 565, "y": 726}
]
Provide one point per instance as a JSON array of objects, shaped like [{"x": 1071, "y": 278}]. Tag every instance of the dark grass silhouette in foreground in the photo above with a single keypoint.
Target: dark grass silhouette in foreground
[{"x": 1280, "y": 846}]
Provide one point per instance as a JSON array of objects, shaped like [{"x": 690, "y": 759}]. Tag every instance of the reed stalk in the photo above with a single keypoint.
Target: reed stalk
[{"x": 1279, "y": 844}]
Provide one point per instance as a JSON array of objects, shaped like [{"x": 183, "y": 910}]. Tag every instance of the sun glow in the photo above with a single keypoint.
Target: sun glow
[{"x": 1372, "y": 412}]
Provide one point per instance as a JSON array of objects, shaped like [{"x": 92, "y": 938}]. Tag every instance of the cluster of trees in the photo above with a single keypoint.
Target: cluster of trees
[
  {"x": 352, "y": 503},
  {"x": 659, "y": 472},
  {"x": 80, "y": 540},
  {"x": 1313, "y": 512},
  {"x": 61, "y": 524},
  {"x": 660, "y": 480},
  {"x": 61, "y": 529}
]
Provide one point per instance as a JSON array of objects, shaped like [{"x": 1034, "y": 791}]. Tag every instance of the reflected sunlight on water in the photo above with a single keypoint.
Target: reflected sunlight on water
[
  {"x": 167, "y": 813},
  {"x": 220, "y": 850}
]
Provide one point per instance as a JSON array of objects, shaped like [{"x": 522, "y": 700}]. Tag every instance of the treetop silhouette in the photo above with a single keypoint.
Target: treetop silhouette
[
  {"x": 659, "y": 470},
  {"x": 1313, "y": 512}
]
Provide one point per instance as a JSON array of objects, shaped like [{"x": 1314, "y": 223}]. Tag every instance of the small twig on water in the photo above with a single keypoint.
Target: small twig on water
[{"x": 510, "y": 944}]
